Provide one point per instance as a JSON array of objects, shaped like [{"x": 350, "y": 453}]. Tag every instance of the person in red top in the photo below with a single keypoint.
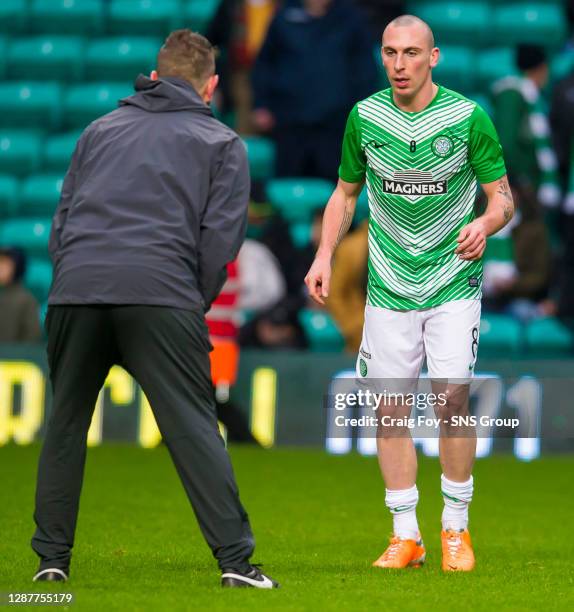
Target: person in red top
[{"x": 223, "y": 332}]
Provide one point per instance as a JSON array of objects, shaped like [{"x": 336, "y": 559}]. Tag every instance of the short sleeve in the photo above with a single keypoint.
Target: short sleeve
[
  {"x": 486, "y": 156},
  {"x": 353, "y": 160}
]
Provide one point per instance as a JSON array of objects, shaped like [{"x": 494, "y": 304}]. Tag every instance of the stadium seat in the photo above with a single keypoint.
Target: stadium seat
[
  {"x": 529, "y": 22},
  {"x": 300, "y": 233},
  {"x": 3, "y": 53},
  {"x": 561, "y": 65},
  {"x": 298, "y": 198},
  {"x": 20, "y": 151},
  {"x": 46, "y": 58},
  {"x": 146, "y": 17},
  {"x": 548, "y": 336},
  {"x": 456, "y": 68},
  {"x": 500, "y": 335},
  {"x": 362, "y": 210},
  {"x": 30, "y": 234},
  {"x": 321, "y": 332},
  {"x": 452, "y": 22},
  {"x": 499, "y": 249},
  {"x": 38, "y": 277},
  {"x": 58, "y": 151},
  {"x": 261, "y": 154},
  {"x": 9, "y": 187},
  {"x": 30, "y": 104},
  {"x": 198, "y": 15},
  {"x": 121, "y": 59},
  {"x": 67, "y": 16},
  {"x": 39, "y": 195},
  {"x": 13, "y": 16},
  {"x": 493, "y": 64},
  {"x": 84, "y": 103}
]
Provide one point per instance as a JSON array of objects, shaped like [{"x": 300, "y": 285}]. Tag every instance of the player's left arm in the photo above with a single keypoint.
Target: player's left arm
[
  {"x": 499, "y": 211},
  {"x": 486, "y": 160}
]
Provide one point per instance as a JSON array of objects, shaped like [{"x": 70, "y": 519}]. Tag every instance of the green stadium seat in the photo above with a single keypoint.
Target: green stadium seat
[
  {"x": 500, "y": 335},
  {"x": 561, "y": 65},
  {"x": 548, "y": 336},
  {"x": 79, "y": 17},
  {"x": 30, "y": 104},
  {"x": 3, "y": 53},
  {"x": 39, "y": 195},
  {"x": 13, "y": 16},
  {"x": 9, "y": 188},
  {"x": 145, "y": 17},
  {"x": 46, "y": 58},
  {"x": 261, "y": 154},
  {"x": 362, "y": 210},
  {"x": 493, "y": 64},
  {"x": 20, "y": 151},
  {"x": 456, "y": 68},
  {"x": 198, "y": 15},
  {"x": 499, "y": 248},
  {"x": 454, "y": 22},
  {"x": 30, "y": 234},
  {"x": 84, "y": 103},
  {"x": 121, "y": 59},
  {"x": 483, "y": 101},
  {"x": 298, "y": 198},
  {"x": 529, "y": 22},
  {"x": 58, "y": 151},
  {"x": 300, "y": 233},
  {"x": 321, "y": 331},
  {"x": 38, "y": 277}
]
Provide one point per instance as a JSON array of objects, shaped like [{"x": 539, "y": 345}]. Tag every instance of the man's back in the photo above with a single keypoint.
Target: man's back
[{"x": 136, "y": 196}]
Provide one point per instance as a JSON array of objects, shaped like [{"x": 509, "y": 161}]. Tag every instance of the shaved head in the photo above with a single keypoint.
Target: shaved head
[
  {"x": 409, "y": 55},
  {"x": 411, "y": 20}
]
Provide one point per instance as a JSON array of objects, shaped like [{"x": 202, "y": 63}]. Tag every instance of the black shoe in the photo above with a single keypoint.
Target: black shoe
[
  {"x": 254, "y": 578},
  {"x": 51, "y": 574}
]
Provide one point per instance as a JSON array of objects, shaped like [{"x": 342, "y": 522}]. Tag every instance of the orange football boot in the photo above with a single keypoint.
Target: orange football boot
[
  {"x": 457, "y": 553},
  {"x": 402, "y": 553}
]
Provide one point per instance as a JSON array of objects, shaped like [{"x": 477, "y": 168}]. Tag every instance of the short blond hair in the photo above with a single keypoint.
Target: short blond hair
[{"x": 187, "y": 55}]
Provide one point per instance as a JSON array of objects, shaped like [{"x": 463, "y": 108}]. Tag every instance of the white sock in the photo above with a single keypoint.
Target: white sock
[
  {"x": 457, "y": 496},
  {"x": 403, "y": 506}
]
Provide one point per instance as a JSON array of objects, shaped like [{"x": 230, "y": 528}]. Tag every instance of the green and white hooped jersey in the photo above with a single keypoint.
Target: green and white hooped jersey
[{"x": 421, "y": 171}]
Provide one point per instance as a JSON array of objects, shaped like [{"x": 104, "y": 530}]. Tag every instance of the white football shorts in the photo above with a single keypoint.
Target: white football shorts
[{"x": 395, "y": 342}]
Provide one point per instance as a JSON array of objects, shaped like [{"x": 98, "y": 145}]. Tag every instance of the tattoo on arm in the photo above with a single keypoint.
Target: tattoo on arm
[
  {"x": 507, "y": 204},
  {"x": 345, "y": 225}
]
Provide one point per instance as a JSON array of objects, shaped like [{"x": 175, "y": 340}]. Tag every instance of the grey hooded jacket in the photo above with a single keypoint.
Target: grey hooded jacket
[{"x": 154, "y": 204}]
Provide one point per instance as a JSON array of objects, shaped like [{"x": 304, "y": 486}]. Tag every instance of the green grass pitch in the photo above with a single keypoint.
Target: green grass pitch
[{"x": 319, "y": 521}]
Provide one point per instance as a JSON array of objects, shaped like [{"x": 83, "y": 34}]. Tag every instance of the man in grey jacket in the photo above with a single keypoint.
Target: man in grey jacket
[{"x": 153, "y": 207}]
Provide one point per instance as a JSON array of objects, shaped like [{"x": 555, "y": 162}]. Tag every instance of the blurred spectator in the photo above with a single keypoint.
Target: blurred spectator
[
  {"x": 267, "y": 226},
  {"x": 238, "y": 29},
  {"x": 316, "y": 62},
  {"x": 525, "y": 285},
  {"x": 222, "y": 321},
  {"x": 379, "y": 14},
  {"x": 261, "y": 280},
  {"x": 521, "y": 121},
  {"x": 561, "y": 115},
  {"x": 279, "y": 326},
  {"x": 348, "y": 289},
  {"x": 19, "y": 310},
  {"x": 561, "y": 119}
]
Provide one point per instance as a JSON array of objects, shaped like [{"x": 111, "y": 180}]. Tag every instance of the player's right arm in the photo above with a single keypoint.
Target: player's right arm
[
  {"x": 340, "y": 208},
  {"x": 336, "y": 223}
]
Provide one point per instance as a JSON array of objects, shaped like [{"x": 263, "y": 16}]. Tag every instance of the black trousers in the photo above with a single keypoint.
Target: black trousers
[{"x": 166, "y": 350}]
